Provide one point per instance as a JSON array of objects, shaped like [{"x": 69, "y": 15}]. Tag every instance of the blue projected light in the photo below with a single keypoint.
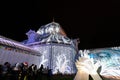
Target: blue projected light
[{"x": 109, "y": 60}]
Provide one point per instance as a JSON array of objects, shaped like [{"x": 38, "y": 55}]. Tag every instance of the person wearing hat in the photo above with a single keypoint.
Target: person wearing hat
[{"x": 24, "y": 73}]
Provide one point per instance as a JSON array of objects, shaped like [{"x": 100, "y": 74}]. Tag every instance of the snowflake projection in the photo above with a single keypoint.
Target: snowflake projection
[
  {"x": 59, "y": 58},
  {"x": 62, "y": 64}
]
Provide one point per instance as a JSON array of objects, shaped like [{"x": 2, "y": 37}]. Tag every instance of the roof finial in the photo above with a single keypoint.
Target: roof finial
[{"x": 53, "y": 19}]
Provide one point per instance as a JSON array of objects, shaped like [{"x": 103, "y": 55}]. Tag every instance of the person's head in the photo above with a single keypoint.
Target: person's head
[
  {"x": 25, "y": 64},
  {"x": 6, "y": 63},
  {"x": 17, "y": 65},
  {"x": 41, "y": 66}
]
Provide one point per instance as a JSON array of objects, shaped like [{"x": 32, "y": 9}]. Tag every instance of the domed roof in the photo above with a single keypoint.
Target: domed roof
[
  {"x": 51, "y": 28},
  {"x": 52, "y": 32}
]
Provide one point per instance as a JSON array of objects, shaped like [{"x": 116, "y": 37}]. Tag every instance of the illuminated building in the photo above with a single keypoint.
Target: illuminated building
[
  {"x": 58, "y": 51},
  {"x": 49, "y": 46},
  {"x": 14, "y": 52}
]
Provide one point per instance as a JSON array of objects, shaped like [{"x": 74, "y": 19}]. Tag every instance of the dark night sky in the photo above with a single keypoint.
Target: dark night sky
[{"x": 96, "y": 23}]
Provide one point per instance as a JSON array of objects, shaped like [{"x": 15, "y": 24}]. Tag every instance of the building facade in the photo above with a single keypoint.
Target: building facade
[
  {"x": 14, "y": 52},
  {"x": 58, "y": 51}
]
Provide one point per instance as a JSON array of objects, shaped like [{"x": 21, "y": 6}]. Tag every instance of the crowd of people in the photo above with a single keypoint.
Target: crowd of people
[{"x": 22, "y": 71}]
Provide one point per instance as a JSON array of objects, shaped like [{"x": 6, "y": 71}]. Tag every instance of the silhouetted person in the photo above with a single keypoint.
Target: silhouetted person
[
  {"x": 90, "y": 78},
  {"x": 24, "y": 73},
  {"x": 40, "y": 72},
  {"x": 16, "y": 71},
  {"x": 1, "y": 72},
  {"x": 49, "y": 74},
  {"x": 6, "y": 70}
]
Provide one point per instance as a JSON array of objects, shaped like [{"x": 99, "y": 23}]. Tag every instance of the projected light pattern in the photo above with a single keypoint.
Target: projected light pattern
[
  {"x": 52, "y": 32},
  {"x": 64, "y": 62},
  {"x": 86, "y": 67},
  {"x": 59, "y": 58},
  {"x": 44, "y": 59},
  {"x": 58, "y": 51},
  {"x": 109, "y": 60},
  {"x": 14, "y": 55},
  {"x": 15, "y": 44},
  {"x": 104, "y": 61},
  {"x": 61, "y": 65}
]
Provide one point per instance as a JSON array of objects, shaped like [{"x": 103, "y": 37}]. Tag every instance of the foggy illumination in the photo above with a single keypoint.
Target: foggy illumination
[
  {"x": 86, "y": 67},
  {"x": 104, "y": 62},
  {"x": 109, "y": 59}
]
